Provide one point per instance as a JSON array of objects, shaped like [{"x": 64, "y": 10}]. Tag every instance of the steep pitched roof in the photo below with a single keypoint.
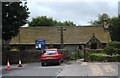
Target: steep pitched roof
[{"x": 72, "y": 35}]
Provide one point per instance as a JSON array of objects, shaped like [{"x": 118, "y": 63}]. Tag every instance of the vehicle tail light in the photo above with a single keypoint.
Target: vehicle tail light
[
  {"x": 43, "y": 57},
  {"x": 56, "y": 56}
]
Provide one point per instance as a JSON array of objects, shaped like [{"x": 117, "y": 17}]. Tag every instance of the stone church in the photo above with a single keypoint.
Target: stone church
[{"x": 74, "y": 37}]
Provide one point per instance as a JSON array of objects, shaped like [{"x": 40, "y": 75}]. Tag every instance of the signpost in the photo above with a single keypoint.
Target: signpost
[{"x": 40, "y": 44}]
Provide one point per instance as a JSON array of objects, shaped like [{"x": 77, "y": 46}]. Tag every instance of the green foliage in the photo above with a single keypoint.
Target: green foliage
[
  {"x": 14, "y": 15},
  {"x": 39, "y": 52},
  {"x": 41, "y": 21},
  {"x": 114, "y": 28},
  {"x": 95, "y": 57},
  {"x": 114, "y": 25},
  {"x": 47, "y": 21},
  {"x": 67, "y": 23},
  {"x": 65, "y": 53},
  {"x": 72, "y": 55},
  {"x": 100, "y": 20},
  {"x": 81, "y": 54},
  {"x": 103, "y": 57},
  {"x": 112, "y": 47}
]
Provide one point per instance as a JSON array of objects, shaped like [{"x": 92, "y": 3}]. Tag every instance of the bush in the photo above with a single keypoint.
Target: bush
[
  {"x": 73, "y": 55},
  {"x": 103, "y": 57},
  {"x": 111, "y": 47},
  {"x": 39, "y": 52},
  {"x": 81, "y": 54},
  {"x": 65, "y": 53}
]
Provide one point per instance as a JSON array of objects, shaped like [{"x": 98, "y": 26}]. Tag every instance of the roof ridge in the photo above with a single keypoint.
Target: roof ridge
[{"x": 58, "y": 26}]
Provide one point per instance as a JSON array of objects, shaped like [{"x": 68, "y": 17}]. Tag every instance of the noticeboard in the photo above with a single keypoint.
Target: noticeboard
[{"x": 40, "y": 44}]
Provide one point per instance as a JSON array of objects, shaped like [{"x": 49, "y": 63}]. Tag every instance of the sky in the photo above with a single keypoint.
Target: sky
[{"x": 78, "y": 11}]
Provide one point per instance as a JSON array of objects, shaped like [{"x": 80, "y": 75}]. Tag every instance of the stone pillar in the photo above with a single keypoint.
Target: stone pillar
[{"x": 86, "y": 54}]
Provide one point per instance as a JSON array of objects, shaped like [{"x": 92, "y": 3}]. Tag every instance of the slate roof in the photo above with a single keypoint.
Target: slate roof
[{"x": 72, "y": 35}]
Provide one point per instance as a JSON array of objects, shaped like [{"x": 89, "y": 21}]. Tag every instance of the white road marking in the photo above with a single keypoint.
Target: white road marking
[
  {"x": 108, "y": 68},
  {"x": 96, "y": 71}
]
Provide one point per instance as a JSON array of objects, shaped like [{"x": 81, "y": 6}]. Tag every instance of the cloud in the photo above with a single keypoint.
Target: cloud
[{"x": 77, "y": 11}]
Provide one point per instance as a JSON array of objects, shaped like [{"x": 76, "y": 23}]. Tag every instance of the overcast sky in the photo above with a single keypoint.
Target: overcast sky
[{"x": 78, "y": 11}]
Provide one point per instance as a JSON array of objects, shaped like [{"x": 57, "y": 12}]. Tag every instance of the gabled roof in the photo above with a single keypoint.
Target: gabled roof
[
  {"x": 72, "y": 35},
  {"x": 93, "y": 40}
]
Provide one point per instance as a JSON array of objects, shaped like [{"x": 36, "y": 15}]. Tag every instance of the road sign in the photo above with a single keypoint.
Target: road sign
[{"x": 40, "y": 44}]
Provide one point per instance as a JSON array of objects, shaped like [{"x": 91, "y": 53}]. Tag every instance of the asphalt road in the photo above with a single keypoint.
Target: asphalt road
[
  {"x": 73, "y": 70},
  {"x": 32, "y": 70}
]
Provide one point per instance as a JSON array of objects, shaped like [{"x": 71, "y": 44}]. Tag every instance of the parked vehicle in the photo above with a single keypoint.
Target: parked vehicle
[{"x": 51, "y": 56}]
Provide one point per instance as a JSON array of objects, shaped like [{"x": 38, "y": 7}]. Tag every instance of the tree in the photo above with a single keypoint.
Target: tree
[
  {"x": 100, "y": 20},
  {"x": 114, "y": 28},
  {"x": 68, "y": 23},
  {"x": 114, "y": 25},
  {"x": 41, "y": 21},
  {"x": 14, "y": 15},
  {"x": 47, "y": 21}
]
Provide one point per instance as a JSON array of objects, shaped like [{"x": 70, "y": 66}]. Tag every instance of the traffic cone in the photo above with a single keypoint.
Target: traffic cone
[
  {"x": 8, "y": 66},
  {"x": 20, "y": 64}
]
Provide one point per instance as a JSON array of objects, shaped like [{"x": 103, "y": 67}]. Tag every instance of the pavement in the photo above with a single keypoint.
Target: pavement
[{"x": 85, "y": 69}]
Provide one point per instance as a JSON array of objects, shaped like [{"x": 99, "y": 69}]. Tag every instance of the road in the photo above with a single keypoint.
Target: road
[
  {"x": 33, "y": 69},
  {"x": 72, "y": 70}
]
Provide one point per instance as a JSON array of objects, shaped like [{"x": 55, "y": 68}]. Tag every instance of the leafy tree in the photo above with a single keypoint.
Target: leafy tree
[
  {"x": 68, "y": 23},
  {"x": 114, "y": 28},
  {"x": 41, "y": 21},
  {"x": 46, "y": 21},
  {"x": 14, "y": 15},
  {"x": 100, "y": 20},
  {"x": 114, "y": 25}
]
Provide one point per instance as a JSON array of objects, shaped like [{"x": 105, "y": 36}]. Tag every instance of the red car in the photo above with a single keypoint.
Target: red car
[{"x": 51, "y": 56}]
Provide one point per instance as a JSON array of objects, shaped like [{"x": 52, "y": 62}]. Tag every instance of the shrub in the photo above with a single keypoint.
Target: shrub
[
  {"x": 81, "y": 54},
  {"x": 39, "y": 52},
  {"x": 65, "y": 53},
  {"x": 112, "y": 47},
  {"x": 73, "y": 55},
  {"x": 103, "y": 57}
]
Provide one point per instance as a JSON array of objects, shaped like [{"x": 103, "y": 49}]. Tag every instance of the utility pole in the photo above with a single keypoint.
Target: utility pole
[{"x": 61, "y": 29}]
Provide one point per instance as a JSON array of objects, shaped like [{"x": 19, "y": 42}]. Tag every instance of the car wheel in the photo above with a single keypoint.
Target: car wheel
[{"x": 42, "y": 64}]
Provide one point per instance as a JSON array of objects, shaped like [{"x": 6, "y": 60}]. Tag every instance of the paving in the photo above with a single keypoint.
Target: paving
[{"x": 91, "y": 69}]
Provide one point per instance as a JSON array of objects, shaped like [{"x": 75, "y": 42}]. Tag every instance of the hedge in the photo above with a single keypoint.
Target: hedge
[
  {"x": 26, "y": 56},
  {"x": 104, "y": 57}
]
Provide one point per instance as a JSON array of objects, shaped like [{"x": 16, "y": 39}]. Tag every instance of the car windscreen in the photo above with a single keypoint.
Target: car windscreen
[{"x": 49, "y": 52}]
